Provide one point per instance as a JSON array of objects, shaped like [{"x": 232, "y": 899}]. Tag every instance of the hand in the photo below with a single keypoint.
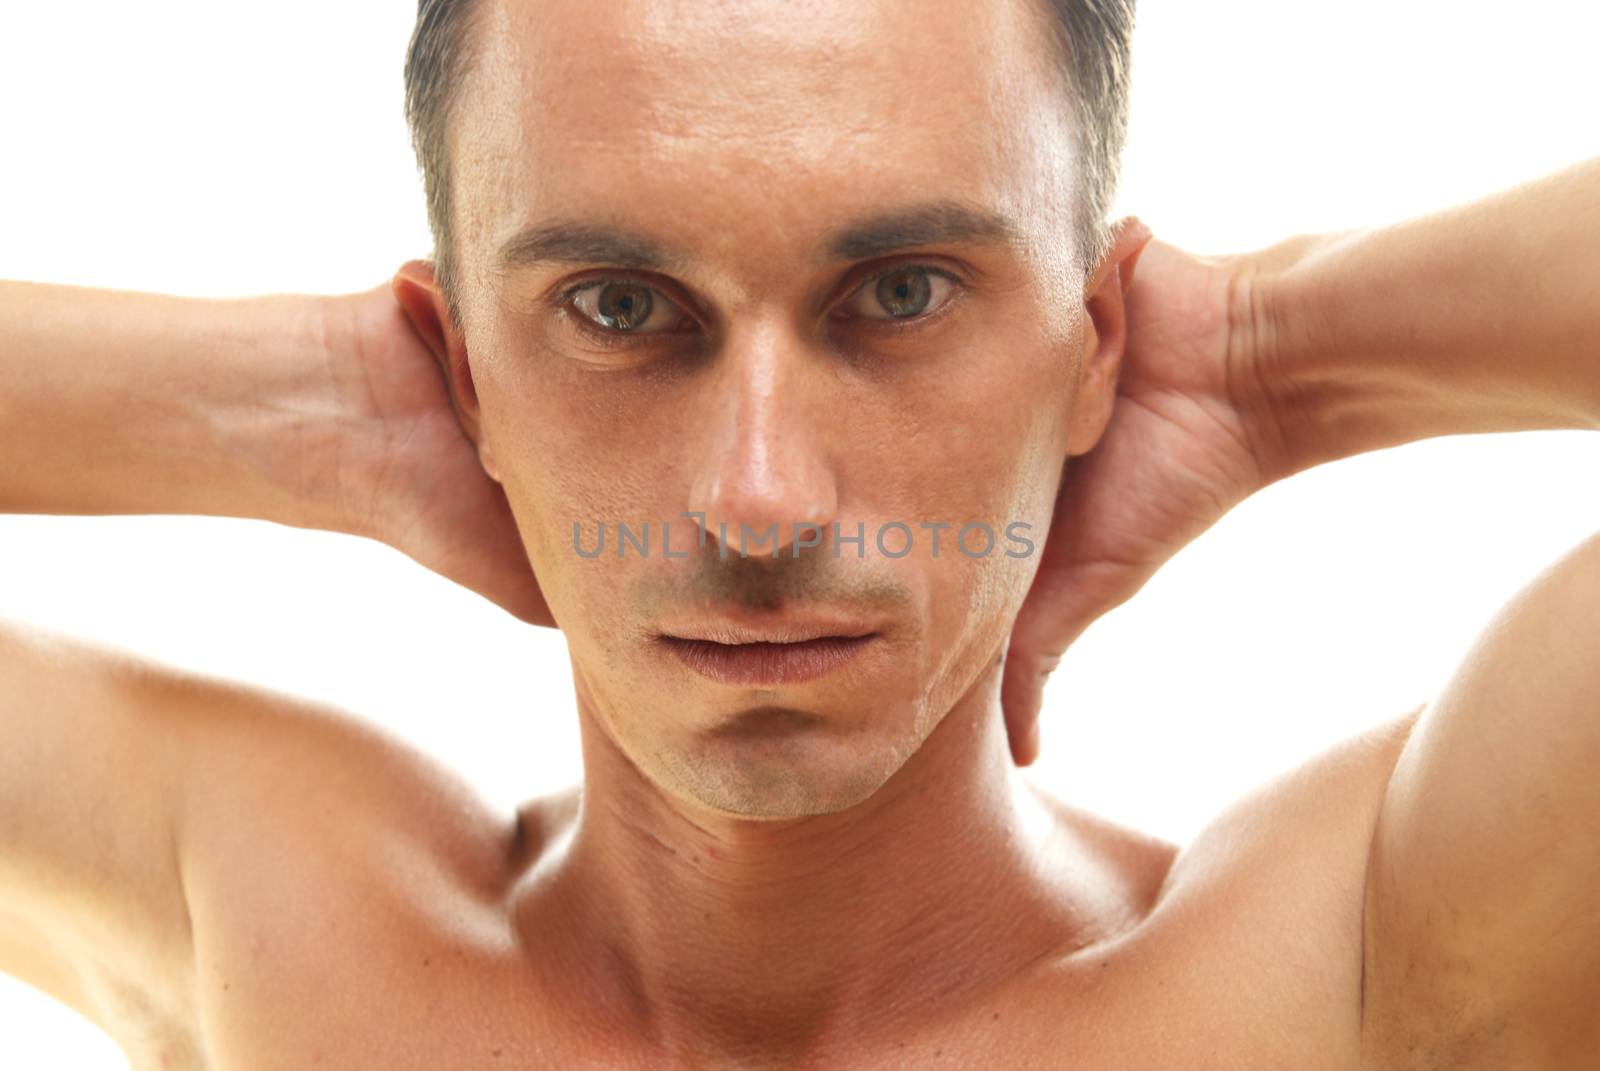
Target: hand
[
  {"x": 411, "y": 475},
  {"x": 1185, "y": 443}
]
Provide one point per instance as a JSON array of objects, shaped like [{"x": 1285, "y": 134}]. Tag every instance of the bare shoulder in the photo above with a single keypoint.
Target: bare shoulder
[
  {"x": 1481, "y": 910},
  {"x": 1268, "y": 896},
  {"x": 151, "y": 814},
  {"x": 1249, "y": 938},
  {"x": 1320, "y": 813},
  {"x": 279, "y": 779}
]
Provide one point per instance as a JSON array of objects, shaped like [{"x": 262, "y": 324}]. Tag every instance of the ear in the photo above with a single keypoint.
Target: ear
[
  {"x": 416, "y": 287},
  {"x": 1105, "y": 334}
]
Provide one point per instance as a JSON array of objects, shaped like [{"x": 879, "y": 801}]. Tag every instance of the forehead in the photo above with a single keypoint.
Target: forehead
[{"x": 716, "y": 119}]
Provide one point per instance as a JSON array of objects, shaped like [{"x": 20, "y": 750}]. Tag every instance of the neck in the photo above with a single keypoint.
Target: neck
[{"x": 716, "y": 934}]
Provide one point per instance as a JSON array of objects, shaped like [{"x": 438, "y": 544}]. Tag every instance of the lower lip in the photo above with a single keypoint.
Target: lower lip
[{"x": 768, "y": 663}]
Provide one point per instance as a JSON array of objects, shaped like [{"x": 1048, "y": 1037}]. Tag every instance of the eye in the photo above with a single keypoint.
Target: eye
[
  {"x": 905, "y": 292},
  {"x": 624, "y": 307}
]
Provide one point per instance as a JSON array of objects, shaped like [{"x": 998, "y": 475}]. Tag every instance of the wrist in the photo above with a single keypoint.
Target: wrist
[
  {"x": 1268, "y": 356},
  {"x": 320, "y": 427},
  {"x": 1314, "y": 390},
  {"x": 1466, "y": 321},
  {"x": 283, "y": 424}
]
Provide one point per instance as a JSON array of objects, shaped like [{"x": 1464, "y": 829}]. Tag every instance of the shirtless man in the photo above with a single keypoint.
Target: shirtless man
[{"x": 772, "y": 271}]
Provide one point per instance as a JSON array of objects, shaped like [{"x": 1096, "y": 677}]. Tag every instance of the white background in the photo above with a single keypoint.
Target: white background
[{"x": 217, "y": 148}]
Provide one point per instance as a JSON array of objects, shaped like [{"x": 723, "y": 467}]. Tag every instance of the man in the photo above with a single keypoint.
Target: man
[{"x": 729, "y": 271}]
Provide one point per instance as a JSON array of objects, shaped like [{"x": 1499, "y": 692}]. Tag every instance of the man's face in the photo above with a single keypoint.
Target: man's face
[{"x": 774, "y": 378}]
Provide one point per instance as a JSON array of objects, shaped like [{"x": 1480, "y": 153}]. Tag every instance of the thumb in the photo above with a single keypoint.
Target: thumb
[
  {"x": 1021, "y": 698},
  {"x": 1063, "y": 602}
]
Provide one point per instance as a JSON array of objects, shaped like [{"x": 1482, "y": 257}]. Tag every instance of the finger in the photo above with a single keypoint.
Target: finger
[
  {"x": 508, "y": 582},
  {"x": 1021, "y": 699},
  {"x": 1038, "y": 643},
  {"x": 1060, "y": 606},
  {"x": 469, "y": 535},
  {"x": 499, "y": 570}
]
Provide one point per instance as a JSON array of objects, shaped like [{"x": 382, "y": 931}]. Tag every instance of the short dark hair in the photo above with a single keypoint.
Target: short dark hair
[{"x": 1093, "y": 40}]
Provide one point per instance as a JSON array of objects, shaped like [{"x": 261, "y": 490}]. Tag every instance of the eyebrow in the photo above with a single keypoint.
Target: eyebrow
[{"x": 933, "y": 223}]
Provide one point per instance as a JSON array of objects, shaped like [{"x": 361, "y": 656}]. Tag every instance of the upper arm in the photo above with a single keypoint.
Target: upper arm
[
  {"x": 1482, "y": 904},
  {"x": 92, "y": 906}
]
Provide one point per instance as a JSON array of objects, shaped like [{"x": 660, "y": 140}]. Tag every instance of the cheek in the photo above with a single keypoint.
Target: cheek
[
  {"x": 973, "y": 602},
  {"x": 558, "y": 448},
  {"x": 1008, "y": 479},
  {"x": 999, "y": 463},
  {"x": 981, "y": 578}
]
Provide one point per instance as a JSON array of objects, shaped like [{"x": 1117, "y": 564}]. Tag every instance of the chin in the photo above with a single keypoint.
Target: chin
[{"x": 811, "y": 770}]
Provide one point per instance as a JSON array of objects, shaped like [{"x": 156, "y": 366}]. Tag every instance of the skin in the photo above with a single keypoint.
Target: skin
[
  {"x": 705, "y": 855},
  {"x": 222, "y": 876}
]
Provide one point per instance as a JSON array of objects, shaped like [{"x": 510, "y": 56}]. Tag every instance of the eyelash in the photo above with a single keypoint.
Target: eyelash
[{"x": 615, "y": 339}]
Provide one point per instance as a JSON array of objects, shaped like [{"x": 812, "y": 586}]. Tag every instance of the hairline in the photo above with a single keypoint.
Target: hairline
[{"x": 1091, "y": 238}]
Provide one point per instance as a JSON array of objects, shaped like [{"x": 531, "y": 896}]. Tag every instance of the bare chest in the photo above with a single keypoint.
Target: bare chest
[
  {"x": 1209, "y": 981},
  {"x": 335, "y": 956}
]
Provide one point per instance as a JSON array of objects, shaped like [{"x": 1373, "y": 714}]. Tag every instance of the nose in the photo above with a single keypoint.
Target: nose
[{"x": 764, "y": 458}]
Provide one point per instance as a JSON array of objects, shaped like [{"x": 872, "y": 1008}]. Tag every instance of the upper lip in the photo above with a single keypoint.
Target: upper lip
[{"x": 777, "y": 629}]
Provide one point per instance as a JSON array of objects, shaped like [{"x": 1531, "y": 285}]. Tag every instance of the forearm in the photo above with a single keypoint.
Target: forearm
[
  {"x": 1484, "y": 317},
  {"x": 122, "y": 402}
]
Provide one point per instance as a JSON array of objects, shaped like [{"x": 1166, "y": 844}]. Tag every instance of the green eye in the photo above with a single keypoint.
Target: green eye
[
  {"x": 904, "y": 293},
  {"x": 908, "y": 292},
  {"x": 624, "y": 307}
]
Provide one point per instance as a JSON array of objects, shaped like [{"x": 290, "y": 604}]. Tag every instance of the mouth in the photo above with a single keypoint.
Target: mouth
[{"x": 768, "y": 662}]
